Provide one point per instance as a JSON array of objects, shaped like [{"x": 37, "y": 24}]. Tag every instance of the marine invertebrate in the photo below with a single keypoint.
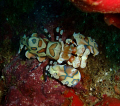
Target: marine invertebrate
[
  {"x": 112, "y": 19},
  {"x": 103, "y": 6},
  {"x": 108, "y": 101},
  {"x": 110, "y": 8},
  {"x": 66, "y": 74},
  {"x": 71, "y": 52},
  {"x": 76, "y": 101}
]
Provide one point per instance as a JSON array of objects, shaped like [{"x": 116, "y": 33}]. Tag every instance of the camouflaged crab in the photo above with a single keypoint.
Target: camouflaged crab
[{"x": 65, "y": 57}]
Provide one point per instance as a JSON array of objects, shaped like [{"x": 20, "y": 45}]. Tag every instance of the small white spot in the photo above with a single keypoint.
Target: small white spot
[
  {"x": 2, "y": 77},
  {"x": 49, "y": 35},
  {"x": 46, "y": 31},
  {"x": 57, "y": 37},
  {"x": 39, "y": 64},
  {"x": 106, "y": 73},
  {"x": 101, "y": 80},
  {"x": 110, "y": 69},
  {"x": 57, "y": 29},
  {"x": 33, "y": 74},
  {"x": 47, "y": 67},
  {"x": 90, "y": 89},
  {"x": 51, "y": 62},
  {"x": 61, "y": 32}
]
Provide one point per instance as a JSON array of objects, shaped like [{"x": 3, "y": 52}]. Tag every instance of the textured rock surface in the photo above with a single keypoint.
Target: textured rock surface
[
  {"x": 103, "y": 6},
  {"x": 29, "y": 88}
]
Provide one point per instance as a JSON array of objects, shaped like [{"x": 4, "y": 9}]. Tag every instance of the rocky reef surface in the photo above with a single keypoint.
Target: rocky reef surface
[{"x": 99, "y": 84}]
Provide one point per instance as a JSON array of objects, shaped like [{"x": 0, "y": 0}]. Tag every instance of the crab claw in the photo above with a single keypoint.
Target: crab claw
[{"x": 67, "y": 75}]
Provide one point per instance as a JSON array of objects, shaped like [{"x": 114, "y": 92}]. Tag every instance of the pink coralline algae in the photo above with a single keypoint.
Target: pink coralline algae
[{"x": 29, "y": 88}]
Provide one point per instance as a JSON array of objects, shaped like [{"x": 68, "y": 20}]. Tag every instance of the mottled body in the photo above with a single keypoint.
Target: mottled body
[{"x": 73, "y": 53}]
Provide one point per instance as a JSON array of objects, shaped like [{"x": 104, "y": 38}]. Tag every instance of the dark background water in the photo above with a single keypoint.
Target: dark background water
[{"x": 19, "y": 17}]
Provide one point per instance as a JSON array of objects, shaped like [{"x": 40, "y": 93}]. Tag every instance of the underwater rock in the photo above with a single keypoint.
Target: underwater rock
[
  {"x": 108, "y": 7},
  {"x": 29, "y": 88},
  {"x": 108, "y": 101},
  {"x": 76, "y": 101},
  {"x": 102, "y": 6},
  {"x": 112, "y": 19}
]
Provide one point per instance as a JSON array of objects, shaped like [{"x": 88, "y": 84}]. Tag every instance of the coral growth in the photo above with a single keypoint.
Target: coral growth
[
  {"x": 112, "y": 19},
  {"x": 103, "y": 6}
]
